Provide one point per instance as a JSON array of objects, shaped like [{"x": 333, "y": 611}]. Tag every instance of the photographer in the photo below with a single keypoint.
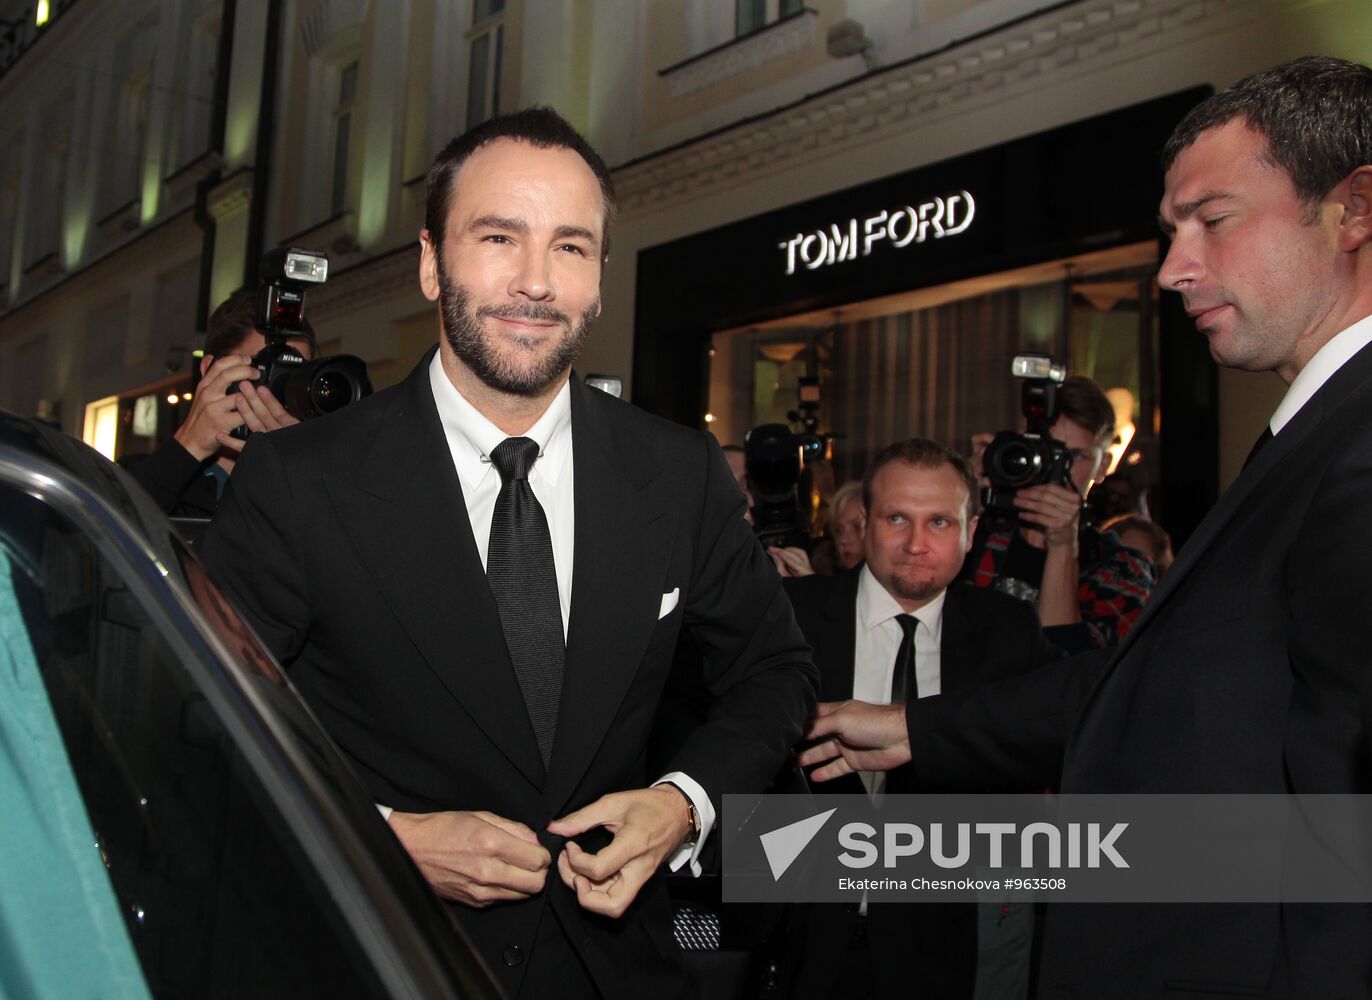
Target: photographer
[
  {"x": 186, "y": 475},
  {"x": 1088, "y": 586}
]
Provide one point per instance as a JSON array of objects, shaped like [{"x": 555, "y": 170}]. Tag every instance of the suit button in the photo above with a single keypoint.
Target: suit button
[{"x": 513, "y": 956}]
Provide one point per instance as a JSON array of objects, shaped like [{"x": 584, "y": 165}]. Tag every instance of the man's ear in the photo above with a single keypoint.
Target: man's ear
[
  {"x": 971, "y": 533},
  {"x": 1355, "y": 229},
  {"x": 205, "y": 363},
  {"x": 428, "y": 266}
]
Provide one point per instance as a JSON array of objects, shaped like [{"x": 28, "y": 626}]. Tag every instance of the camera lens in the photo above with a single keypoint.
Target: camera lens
[
  {"x": 1015, "y": 463},
  {"x": 332, "y": 390}
]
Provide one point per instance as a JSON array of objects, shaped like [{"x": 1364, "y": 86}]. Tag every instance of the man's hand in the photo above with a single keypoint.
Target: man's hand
[
  {"x": 648, "y": 825},
  {"x": 1054, "y": 510},
  {"x": 260, "y": 410},
  {"x": 474, "y": 858},
  {"x": 214, "y": 413},
  {"x": 862, "y": 737},
  {"x": 791, "y": 561},
  {"x": 980, "y": 442}
]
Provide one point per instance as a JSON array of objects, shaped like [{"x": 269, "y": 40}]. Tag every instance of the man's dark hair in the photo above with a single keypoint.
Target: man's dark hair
[
  {"x": 922, "y": 454},
  {"x": 538, "y": 126},
  {"x": 1085, "y": 404},
  {"x": 235, "y": 319},
  {"x": 1315, "y": 113}
]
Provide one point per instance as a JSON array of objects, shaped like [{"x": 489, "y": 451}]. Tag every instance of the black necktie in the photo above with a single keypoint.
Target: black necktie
[
  {"x": 1258, "y": 445},
  {"x": 519, "y": 567},
  {"x": 903, "y": 683}
]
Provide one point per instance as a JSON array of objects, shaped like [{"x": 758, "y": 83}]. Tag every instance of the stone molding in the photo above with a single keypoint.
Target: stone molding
[
  {"x": 885, "y": 103},
  {"x": 775, "y": 41}
]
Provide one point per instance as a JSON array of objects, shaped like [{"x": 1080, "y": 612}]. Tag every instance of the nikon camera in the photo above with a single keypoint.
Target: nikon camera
[
  {"x": 1013, "y": 461},
  {"x": 306, "y": 389}
]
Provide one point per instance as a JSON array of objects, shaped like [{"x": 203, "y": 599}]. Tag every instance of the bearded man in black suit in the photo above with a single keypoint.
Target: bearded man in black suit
[{"x": 477, "y": 579}]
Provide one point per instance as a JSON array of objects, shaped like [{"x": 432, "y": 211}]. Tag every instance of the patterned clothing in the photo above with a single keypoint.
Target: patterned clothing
[{"x": 1113, "y": 583}]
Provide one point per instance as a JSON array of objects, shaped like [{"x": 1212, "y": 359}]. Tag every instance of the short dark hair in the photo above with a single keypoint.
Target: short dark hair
[
  {"x": 1085, "y": 404},
  {"x": 538, "y": 126},
  {"x": 922, "y": 454},
  {"x": 236, "y": 318},
  {"x": 1315, "y": 113}
]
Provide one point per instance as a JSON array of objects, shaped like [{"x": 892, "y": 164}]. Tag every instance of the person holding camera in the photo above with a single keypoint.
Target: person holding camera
[
  {"x": 1088, "y": 586},
  {"x": 186, "y": 475}
]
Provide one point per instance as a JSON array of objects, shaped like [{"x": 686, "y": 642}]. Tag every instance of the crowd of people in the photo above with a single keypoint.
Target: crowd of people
[{"x": 484, "y": 579}]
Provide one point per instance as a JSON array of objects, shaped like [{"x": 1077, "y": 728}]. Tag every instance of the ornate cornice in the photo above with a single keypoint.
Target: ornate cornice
[
  {"x": 776, "y": 41},
  {"x": 908, "y": 96}
]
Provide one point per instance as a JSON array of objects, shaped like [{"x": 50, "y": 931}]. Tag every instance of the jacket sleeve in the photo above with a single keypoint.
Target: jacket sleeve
[
  {"x": 756, "y": 663},
  {"x": 1008, "y": 735},
  {"x": 252, "y": 549},
  {"x": 165, "y": 474}
]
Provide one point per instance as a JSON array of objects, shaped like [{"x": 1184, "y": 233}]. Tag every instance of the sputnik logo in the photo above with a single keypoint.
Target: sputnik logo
[{"x": 784, "y": 844}]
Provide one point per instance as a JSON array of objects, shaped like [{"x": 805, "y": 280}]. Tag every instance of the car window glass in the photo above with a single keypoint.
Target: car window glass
[{"x": 216, "y": 895}]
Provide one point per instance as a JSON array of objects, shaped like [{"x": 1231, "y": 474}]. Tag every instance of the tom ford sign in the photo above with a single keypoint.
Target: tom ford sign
[{"x": 898, "y": 227}]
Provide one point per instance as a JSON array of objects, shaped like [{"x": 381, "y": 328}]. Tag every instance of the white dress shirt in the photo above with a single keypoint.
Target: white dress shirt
[
  {"x": 1325, "y": 362},
  {"x": 471, "y": 439},
  {"x": 877, "y": 641}
]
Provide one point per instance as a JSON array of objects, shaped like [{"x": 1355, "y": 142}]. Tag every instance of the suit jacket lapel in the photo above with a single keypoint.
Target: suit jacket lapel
[
  {"x": 403, "y": 508},
  {"x": 957, "y": 647},
  {"x": 1263, "y": 467},
  {"x": 623, "y": 544},
  {"x": 835, "y": 657}
]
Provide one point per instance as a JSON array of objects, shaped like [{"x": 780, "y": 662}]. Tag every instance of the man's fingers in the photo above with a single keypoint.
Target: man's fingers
[
  {"x": 602, "y": 812},
  {"x": 564, "y": 868},
  {"x": 250, "y": 408},
  {"x": 828, "y": 720},
  {"x": 227, "y": 440},
  {"x": 510, "y": 826},
  {"x": 818, "y": 754},
  {"x": 510, "y": 849},
  {"x": 836, "y": 769},
  {"x": 611, "y": 897},
  {"x": 605, "y": 864}
]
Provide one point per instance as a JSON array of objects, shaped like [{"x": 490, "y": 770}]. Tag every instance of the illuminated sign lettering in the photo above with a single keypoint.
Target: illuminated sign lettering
[{"x": 932, "y": 219}]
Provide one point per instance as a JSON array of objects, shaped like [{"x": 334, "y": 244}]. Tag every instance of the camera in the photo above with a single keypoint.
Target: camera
[
  {"x": 1013, "y": 461},
  {"x": 774, "y": 459},
  {"x": 306, "y": 389}
]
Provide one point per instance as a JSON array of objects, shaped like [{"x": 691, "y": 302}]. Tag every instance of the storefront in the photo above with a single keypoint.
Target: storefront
[{"x": 907, "y": 298}]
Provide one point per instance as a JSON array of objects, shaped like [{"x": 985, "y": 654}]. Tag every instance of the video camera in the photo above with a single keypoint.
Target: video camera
[
  {"x": 1013, "y": 461},
  {"x": 775, "y": 457},
  {"x": 306, "y": 389}
]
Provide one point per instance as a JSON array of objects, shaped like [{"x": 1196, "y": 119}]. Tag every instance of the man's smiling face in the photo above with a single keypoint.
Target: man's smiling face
[{"x": 518, "y": 271}]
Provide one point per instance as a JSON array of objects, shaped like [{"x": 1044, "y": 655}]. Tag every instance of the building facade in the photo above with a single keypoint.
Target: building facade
[{"x": 792, "y": 178}]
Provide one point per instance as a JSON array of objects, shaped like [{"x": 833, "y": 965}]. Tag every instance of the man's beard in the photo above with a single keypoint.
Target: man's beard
[
  {"x": 467, "y": 337},
  {"x": 916, "y": 590}
]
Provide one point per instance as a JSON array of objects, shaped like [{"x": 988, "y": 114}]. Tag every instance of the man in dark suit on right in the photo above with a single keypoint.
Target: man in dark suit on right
[{"x": 1249, "y": 670}]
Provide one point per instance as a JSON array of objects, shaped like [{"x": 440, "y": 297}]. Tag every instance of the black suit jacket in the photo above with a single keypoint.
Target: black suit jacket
[
  {"x": 928, "y": 950},
  {"x": 346, "y": 543},
  {"x": 1248, "y": 672}
]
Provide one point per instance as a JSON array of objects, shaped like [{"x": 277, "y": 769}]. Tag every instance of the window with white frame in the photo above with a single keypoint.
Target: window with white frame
[
  {"x": 750, "y": 15},
  {"x": 484, "y": 43}
]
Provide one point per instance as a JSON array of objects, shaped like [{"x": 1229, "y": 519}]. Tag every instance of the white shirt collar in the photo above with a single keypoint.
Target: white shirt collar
[
  {"x": 876, "y": 606},
  {"x": 471, "y": 437},
  {"x": 1326, "y": 361}
]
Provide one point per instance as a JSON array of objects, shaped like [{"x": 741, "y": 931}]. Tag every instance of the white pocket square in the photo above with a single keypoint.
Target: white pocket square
[{"x": 668, "y": 603}]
